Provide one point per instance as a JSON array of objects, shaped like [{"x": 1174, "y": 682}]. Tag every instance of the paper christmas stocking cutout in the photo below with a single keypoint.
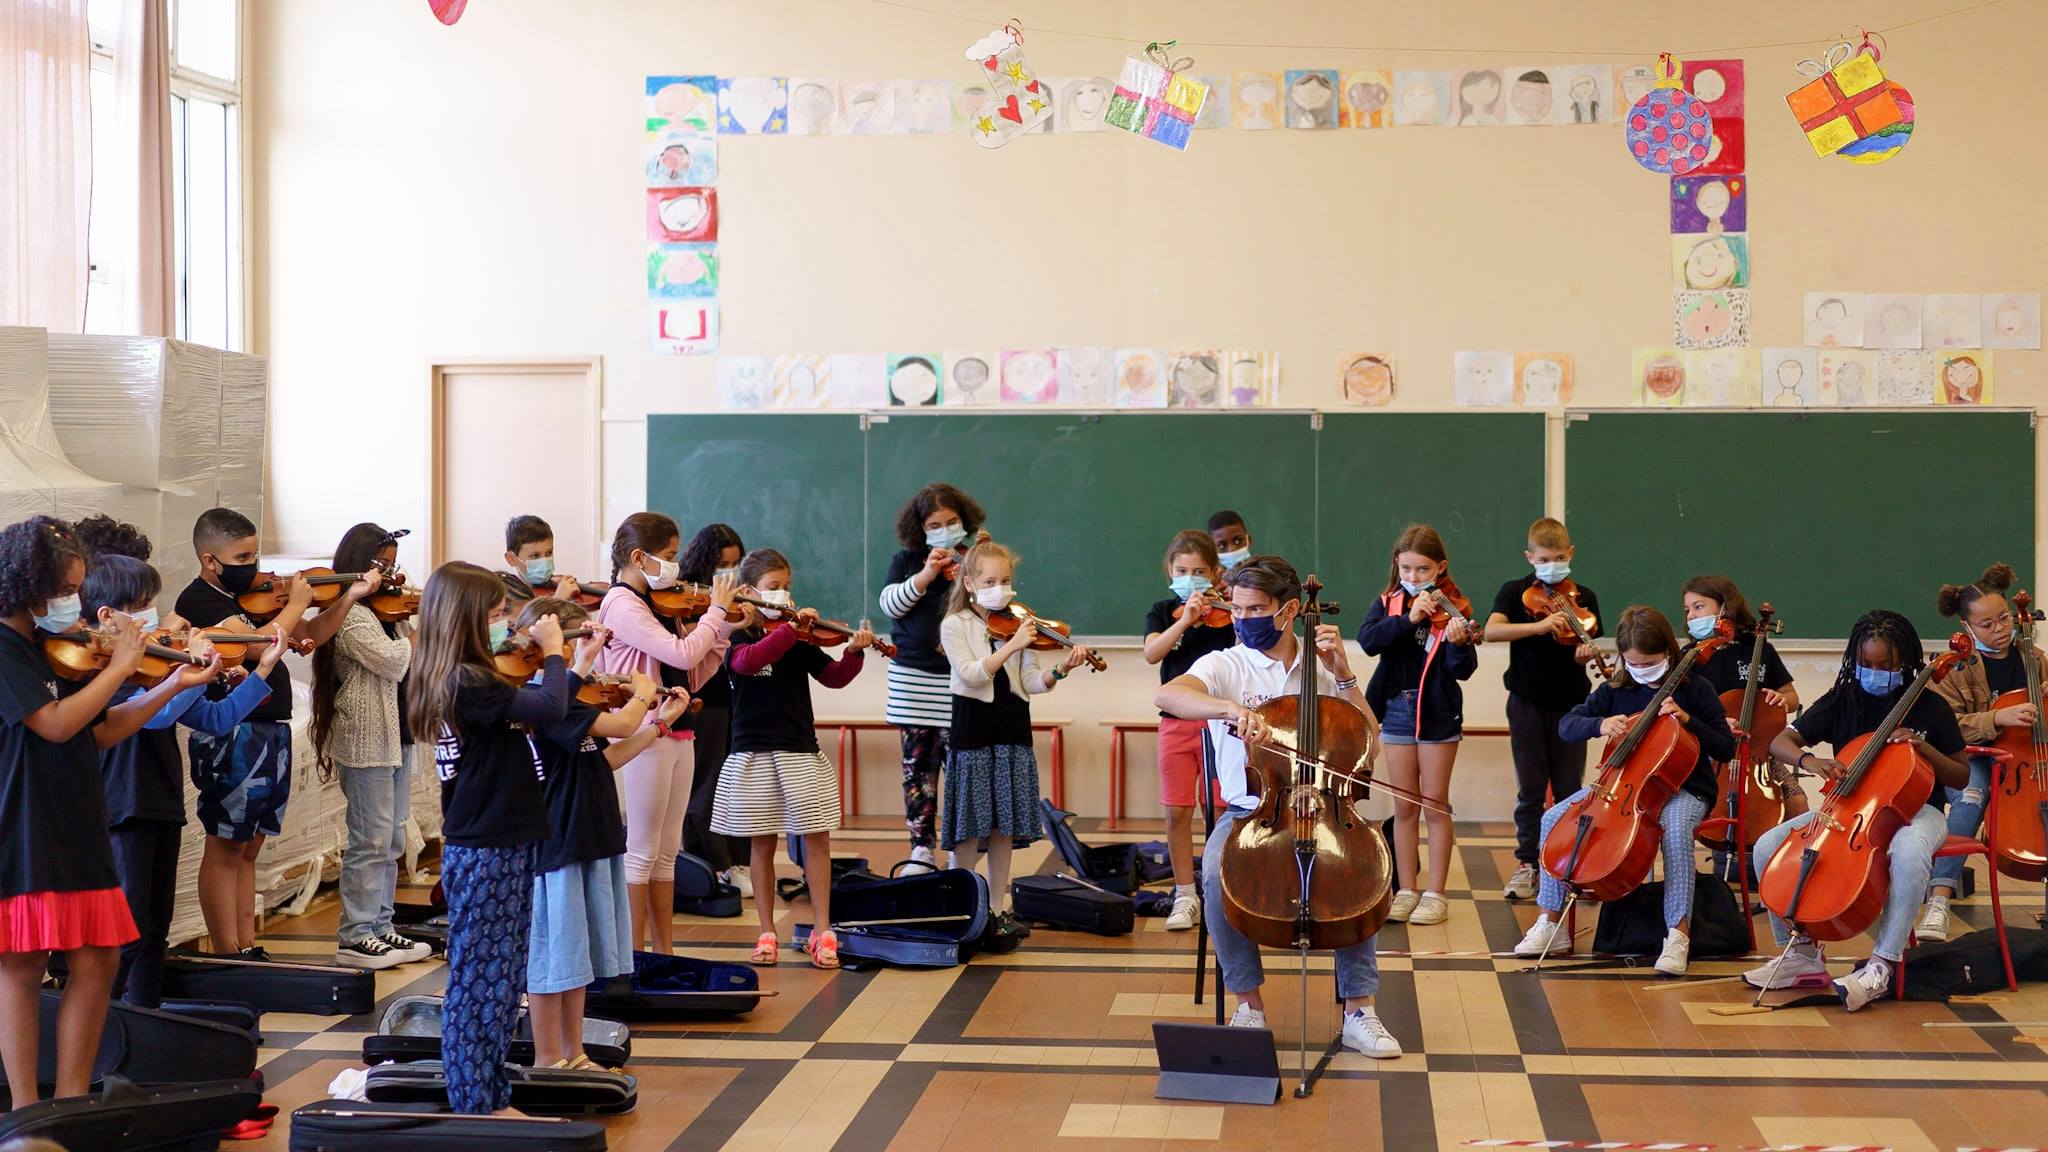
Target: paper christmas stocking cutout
[{"x": 1018, "y": 102}]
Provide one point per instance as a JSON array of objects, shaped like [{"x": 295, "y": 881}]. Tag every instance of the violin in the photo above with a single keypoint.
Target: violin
[
  {"x": 2021, "y": 824},
  {"x": 1830, "y": 878},
  {"x": 609, "y": 693},
  {"x": 1447, "y": 603},
  {"x": 520, "y": 656},
  {"x": 1543, "y": 599},
  {"x": 1052, "y": 636},
  {"x": 394, "y": 600},
  {"x": 1214, "y": 612},
  {"x": 1304, "y": 870},
  {"x": 684, "y": 602},
  {"x": 1750, "y": 779},
  {"x": 269, "y": 592},
  {"x": 952, "y": 569},
  {"x": 234, "y": 645},
  {"x": 1604, "y": 844},
  {"x": 85, "y": 653},
  {"x": 819, "y": 631}
]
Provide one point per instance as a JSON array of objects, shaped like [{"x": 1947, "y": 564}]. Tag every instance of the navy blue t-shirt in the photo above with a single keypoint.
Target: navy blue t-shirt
[
  {"x": 583, "y": 799},
  {"x": 1198, "y": 641},
  {"x": 491, "y": 795}
]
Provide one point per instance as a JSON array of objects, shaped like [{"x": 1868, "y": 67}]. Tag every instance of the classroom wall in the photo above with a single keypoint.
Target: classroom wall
[{"x": 422, "y": 192}]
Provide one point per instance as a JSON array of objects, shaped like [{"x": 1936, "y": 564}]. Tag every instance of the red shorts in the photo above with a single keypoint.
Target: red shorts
[
  {"x": 61, "y": 921},
  {"x": 1180, "y": 761}
]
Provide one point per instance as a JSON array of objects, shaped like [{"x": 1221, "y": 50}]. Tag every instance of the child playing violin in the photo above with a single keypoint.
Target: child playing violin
[
  {"x": 1648, "y": 651},
  {"x": 1883, "y": 655},
  {"x": 530, "y": 560},
  {"x": 1423, "y": 653},
  {"x": 712, "y": 554},
  {"x": 775, "y": 781},
  {"x": 1232, "y": 539},
  {"x": 1177, "y": 634},
  {"x": 991, "y": 771}
]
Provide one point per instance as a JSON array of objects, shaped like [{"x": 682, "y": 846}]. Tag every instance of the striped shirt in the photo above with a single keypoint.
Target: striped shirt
[{"x": 919, "y": 699}]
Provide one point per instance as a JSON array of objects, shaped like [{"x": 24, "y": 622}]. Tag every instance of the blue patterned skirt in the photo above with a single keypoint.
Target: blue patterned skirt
[{"x": 990, "y": 790}]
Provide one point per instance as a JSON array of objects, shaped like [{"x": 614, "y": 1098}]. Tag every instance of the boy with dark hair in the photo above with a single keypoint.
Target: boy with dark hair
[
  {"x": 1233, "y": 539},
  {"x": 530, "y": 558}
]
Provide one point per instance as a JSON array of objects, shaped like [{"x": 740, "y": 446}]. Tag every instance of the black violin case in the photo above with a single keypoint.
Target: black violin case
[
  {"x": 124, "y": 1118},
  {"x": 144, "y": 1046},
  {"x": 675, "y": 988},
  {"x": 538, "y": 1091},
  {"x": 699, "y": 891},
  {"x": 271, "y": 985},
  {"x": 925, "y": 920},
  {"x": 353, "y": 1126},
  {"x": 1113, "y": 866},
  {"x": 1063, "y": 902},
  {"x": 411, "y": 1030}
]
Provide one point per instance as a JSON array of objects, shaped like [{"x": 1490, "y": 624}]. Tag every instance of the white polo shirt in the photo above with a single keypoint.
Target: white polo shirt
[{"x": 1249, "y": 678}]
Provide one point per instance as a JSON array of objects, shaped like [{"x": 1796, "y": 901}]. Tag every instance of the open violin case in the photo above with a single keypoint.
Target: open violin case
[
  {"x": 699, "y": 891},
  {"x": 1113, "y": 866},
  {"x": 926, "y": 920},
  {"x": 271, "y": 985},
  {"x": 144, "y": 1046},
  {"x": 537, "y": 1091},
  {"x": 675, "y": 988},
  {"x": 122, "y": 1117},
  {"x": 411, "y": 1030},
  {"x": 231, "y": 1013},
  {"x": 353, "y": 1126}
]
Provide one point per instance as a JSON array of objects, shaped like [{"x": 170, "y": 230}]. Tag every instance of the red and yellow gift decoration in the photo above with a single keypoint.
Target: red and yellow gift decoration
[
  {"x": 1156, "y": 99},
  {"x": 1847, "y": 100}
]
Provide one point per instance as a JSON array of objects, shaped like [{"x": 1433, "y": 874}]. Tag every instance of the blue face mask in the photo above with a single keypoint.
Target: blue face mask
[
  {"x": 60, "y": 613},
  {"x": 946, "y": 537},
  {"x": 501, "y": 631},
  {"x": 1553, "y": 571},
  {"x": 540, "y": 571},
  {"x": 1416, "y": 589},
  {"x": 1186, "y": 586},
  {"x": 1879, "y": 683},
  {"x": 1233, "y": 559},
  {"x": 1701, "y": 627},
  {"x": 1986, "y": 649},
  {"x": 1258, "y": 633}
]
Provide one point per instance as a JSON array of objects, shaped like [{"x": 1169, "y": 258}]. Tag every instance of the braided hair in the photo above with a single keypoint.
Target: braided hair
[{"x": 1891, "y": 628}]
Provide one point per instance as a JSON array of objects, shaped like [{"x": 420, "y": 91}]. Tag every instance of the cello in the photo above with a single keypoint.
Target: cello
[
  {"x": 2021, "y": 827},
  {"x": 1605, "y": 842},
  {"x": 1544, "y": 599},
  {"x": 1751, "y": 775},
  {"x": 1830, "y": 877}
]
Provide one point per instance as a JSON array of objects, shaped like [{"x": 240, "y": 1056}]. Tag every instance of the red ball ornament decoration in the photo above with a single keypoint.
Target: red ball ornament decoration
[{"x": 1669, "y": 131}]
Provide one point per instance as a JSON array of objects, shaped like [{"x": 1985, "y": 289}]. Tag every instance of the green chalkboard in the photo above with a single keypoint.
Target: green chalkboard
[
  {"x": 1091, "y": 501},
  {"x": 1477, "y": 477},
  {"x": 791, "y": 482},
  {"x": 1824, "y": 514}
]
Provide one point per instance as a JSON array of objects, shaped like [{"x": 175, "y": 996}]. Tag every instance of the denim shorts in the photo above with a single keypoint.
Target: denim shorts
[{"x": 1398, "y": 725}]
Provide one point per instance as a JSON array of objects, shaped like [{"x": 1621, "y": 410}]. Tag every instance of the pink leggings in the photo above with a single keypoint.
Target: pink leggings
[{"x": 655, "y": 789}]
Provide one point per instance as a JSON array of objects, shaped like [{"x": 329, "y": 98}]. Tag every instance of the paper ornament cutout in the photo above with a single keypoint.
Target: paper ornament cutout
[
  {"x": 448, "y": 11},
  {"x": 1018, "y": 102},
  {"x": 683, "y": 327},
  {"x": 1669, "y": 128},
  {"x": 1847, "y": 100},
  {"x": 1155, "y": 100}
]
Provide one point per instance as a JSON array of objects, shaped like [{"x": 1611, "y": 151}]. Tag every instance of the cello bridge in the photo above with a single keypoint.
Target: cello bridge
[{"x": 1829, "y": 822}]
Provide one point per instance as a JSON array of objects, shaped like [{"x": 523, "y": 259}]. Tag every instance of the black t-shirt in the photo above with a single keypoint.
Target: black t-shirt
[
  {"x": 1728, "y": 669},
  {"x": 53, "y": 818},
  {"x": 1198, "y": 641},
  {"x": 1843, "y": 714},
  {"x": 206, "y": 606},
  {"x": 1541, "y": 670},
  {"x": 404, "y": 730},
  {"x": 916, "y": 635},
  {"x": 771, "y": 710},
  {"x": 583, "y": 799},
  {"x": 2007, "y": 673},
  {"x": 1006, "y": 721},
  {"x": 143, "y": 777},
  {"x": 491, "y": 795}
]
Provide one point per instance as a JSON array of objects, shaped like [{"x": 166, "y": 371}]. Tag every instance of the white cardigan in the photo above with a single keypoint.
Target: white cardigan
[{"x": 964, "y": 635}]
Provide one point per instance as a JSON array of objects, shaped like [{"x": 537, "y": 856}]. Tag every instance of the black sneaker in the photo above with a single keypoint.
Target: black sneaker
[
  {"x": 257, "y": 954},
  {"x": 409, "y": 951},
  {"x": 369, "y": 952}
]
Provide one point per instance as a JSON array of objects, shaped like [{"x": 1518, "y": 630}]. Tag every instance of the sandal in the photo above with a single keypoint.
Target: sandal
[
  {"x": 824, "y": 949},
  {"x": 764, "y": 951},
  {"x": 583, "y": 1063}
]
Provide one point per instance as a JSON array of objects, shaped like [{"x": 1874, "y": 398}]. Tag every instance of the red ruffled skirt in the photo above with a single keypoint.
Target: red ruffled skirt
[{"x": 61, "y": 921}]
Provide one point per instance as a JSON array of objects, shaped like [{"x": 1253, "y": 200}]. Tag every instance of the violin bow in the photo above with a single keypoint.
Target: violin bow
[{"x": 1394, "y": 790}]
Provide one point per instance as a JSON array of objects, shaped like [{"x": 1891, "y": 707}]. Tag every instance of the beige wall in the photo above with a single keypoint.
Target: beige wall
[{"x": 422, "y": 192}]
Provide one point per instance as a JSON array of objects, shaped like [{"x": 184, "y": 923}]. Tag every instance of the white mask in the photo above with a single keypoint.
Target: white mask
[
  {"x": 665, "y": 572},
  {"x": 995, "y": 597},
  {"x": 1652, "y": 674},
  {"x": 147, "y": 618},
  {"x": 777, "y": 596}
]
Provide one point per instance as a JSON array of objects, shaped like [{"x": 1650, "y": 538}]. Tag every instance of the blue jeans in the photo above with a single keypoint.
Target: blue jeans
[
  {"x": 1358, "y": 967},
  {"x": 1965, "y": 818},
  {"x": 379, "y": 804},
  {"x": 1680, "y": 819},
  {"x": 1912, "y": 854}
]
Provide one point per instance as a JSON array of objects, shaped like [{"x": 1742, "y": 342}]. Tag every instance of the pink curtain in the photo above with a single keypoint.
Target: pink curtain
[
  {"x": 45, "y": 162},
  {"x": 140, "y": 234}
]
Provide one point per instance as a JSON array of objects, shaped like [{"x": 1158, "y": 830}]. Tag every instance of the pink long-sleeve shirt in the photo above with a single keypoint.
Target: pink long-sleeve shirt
[{"x": 639, "y": 643}]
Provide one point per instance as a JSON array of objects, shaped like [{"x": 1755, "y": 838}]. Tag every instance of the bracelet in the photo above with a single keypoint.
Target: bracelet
[
  {"x": 1056, "y": 675},
  {"x": 1347, "y": 685},
  {"x": 1801, "y": 762},
  {"x": 661, "y": 729}
]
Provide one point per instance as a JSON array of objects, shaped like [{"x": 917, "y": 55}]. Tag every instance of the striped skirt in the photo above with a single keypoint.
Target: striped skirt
[
  {"x": 776, "y": 793},
  {"x": 918, "y": 699}
]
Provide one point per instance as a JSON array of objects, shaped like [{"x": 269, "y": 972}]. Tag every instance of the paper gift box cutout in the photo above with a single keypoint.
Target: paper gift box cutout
[
  {"x": 1154, "y": 97},
  {"x": 1018, "y": 101},
  {"x": 1846, "y": 100},
  {"x": 1669, "y": 130}
]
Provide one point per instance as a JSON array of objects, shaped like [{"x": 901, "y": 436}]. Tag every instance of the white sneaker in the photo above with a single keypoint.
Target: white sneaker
[
  {"x": 1934, "y": 922},
  {"x": 1432, "y": 908},
  {"x": 1677, "y": 949},
  {"x": 923, "y": 855},
  {"x": 1865, "y": 984},
  {"x": 1540, "y": 937},
  {"x": 369, "y": 952},
  {"x": 409, "y": 951},
  {"x": 1187, "y": 912},
  {"x": 1363, "y": 1033},
  {"x": 1802, "y": 961},
  {"x": 1403, "y": 905},
  {"x": 1247, "y": 1017},
  {"x": 1522, "y": 885},
  {"x": 740, "y": 878}
]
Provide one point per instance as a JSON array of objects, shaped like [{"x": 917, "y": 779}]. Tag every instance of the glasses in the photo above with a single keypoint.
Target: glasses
[{"x": 2002, "y": 620}]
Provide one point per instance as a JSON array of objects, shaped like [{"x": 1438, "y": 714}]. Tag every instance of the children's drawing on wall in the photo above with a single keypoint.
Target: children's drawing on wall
[
  {"x": 753, "y": 105},
  {"x": 798, "y": 381},
  {"x": 970, "y": 379},
  {"x": 682, "y": 271},
  {"x": 1532, "y": 97},
  {"x": 682, "y": 103},
  {"x": 1252, "y": 379},
  {"x": 1721, "y": 378},
  {"x": 1791, "y": 378},
  {"x": 866, "y": 107},
  {"x": 2012, "y": 320},
  {"x": 677, "y": 158},
  {"x": 1368, "y": 99},
  {"x": 914, "y": 380},
  {"x": 682, "y": 215},
  {"x": 857, "y": 380},
  {"x": 1833, "y": 319},
  {"x": 1632, "y": 82},
  {"x": 1194, "y": 380},
  {"x": 1709, "y": 204},
  {"x": 1953, "y": 320},
  {"x": 1478, "y": 98},
  {"x": 1905, "y": 376},
  {"x": 1483, "y": 379},
  {"x": 1082, "y": 104},
  {"x": 1725, "y": 150},
  {"x": 1030, "y": 377},
  {"x": 1312, "y": 98},
  {"x": 1963, "y": 378},
  {"x": 1258, "y": 100},
  {"x": 1659, "y": 374},
  {"x": 683, "y": 327},
  {"x": 1215, "y": 111},
  {"x": 1715, "y": 83},
  {"x": 1365, "y": 379},
  {"x": 813, "y": 106},
  {"x": 1422, "y": 97},
  {"x": 744, "y": 382},
  {"x": 1716, "y": 319},
  {"x": 1140, "y": 379},
  {"x": 967, "y": 103},
  {"x": 1847, "y": 377},
  {"x": 1543, "y": 379},
  {"x": 1585, "y": 93},
  {"x": 924, "y": 107},
  {"x": 1711, "y": 261},
  {"x": 1893, "y": 321},
  {"x": 1086, "y": 376}
]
